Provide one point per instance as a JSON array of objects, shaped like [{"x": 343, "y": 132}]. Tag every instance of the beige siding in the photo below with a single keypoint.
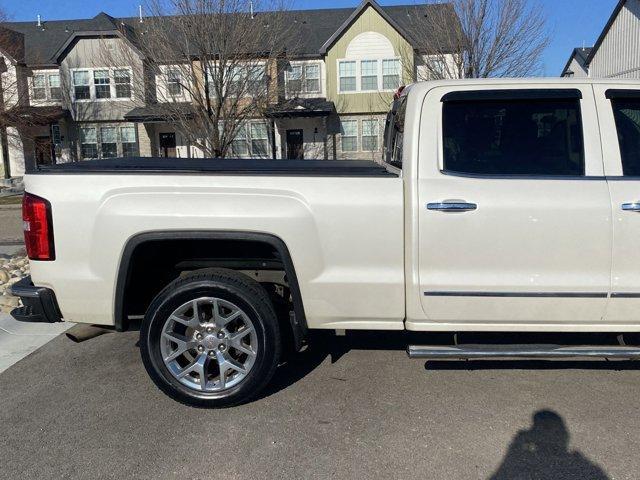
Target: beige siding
[
  {"x": 619, "y": 53},
  {"x": 368, "y": 21}
]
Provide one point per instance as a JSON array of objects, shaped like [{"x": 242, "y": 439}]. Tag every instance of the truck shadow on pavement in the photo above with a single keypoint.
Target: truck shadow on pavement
[
  {"x": 324, "y": 344},
  {"x": 542, "y": 453}
]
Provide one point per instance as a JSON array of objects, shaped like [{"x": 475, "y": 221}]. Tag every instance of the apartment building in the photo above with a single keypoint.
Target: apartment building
[{"x": 329, "y": 101}]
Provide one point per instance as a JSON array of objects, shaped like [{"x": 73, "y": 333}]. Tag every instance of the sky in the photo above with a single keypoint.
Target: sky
[{"x": 571, "y": 23}]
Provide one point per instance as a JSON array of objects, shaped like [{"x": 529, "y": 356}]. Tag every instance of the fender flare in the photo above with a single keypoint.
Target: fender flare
[{"x": 124, "y": 271}]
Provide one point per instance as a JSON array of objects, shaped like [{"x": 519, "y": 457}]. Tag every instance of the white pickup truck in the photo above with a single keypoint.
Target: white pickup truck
[{"x": 502, "y": 205}]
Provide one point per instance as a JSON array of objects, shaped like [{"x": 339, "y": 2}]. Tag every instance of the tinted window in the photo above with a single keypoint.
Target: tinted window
[
  {"x": 513, "y": 137},
  {"x": 627, "y": 115}
]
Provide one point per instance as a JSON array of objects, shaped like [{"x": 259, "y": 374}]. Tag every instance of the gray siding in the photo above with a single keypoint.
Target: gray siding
[
  {"x": 97, "y": 53},
  {"x": 619, "y": 53},
  {"x": 577, "y": 69}
]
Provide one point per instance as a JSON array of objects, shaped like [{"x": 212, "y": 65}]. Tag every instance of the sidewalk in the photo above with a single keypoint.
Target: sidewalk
[{"x": 19, "y": 339}]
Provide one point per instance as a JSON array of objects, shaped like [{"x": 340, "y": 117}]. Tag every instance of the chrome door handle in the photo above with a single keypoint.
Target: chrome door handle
[
  {"x": 631, "y": 207},
  {"x": 452, "y": 206}
]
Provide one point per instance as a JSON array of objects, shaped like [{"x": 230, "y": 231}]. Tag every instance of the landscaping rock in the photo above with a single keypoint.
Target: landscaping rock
[{"x": 12, "y": 270}]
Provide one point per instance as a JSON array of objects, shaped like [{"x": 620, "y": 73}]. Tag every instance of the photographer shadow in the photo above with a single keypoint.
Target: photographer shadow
[{"x": 542, "y": 453}]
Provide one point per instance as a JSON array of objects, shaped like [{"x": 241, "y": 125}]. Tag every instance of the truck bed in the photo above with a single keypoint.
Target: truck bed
[{"x": 214, "y": 166}]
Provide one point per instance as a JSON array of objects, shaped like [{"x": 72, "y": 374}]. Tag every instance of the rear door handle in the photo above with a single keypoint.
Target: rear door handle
[
  {"x": 631, "y": 207},
  {"x": 452, "y": 206}
]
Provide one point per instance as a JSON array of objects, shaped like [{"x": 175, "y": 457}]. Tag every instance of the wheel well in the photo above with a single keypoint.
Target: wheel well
[{"x": 151, "y": 261}]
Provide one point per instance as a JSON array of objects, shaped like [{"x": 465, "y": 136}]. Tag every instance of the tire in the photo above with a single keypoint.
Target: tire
[{"x": 189, "y": 316}]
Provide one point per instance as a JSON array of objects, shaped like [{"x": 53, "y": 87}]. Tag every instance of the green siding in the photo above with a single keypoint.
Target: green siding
[{"x": 368, "y": 21}]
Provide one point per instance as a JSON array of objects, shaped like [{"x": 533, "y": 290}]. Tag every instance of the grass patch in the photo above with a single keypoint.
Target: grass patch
[{"x": 12, "y": 200}]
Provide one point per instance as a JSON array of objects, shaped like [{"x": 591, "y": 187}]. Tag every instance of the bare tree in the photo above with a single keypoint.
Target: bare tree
[
  {"x": 492, "y": 38},
  {"x": 211, "y": 65}
]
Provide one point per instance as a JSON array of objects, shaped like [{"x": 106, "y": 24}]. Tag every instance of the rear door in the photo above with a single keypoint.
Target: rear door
[
  {"x": 514, "y": 219},
  {"x": 619, "y": 113}
]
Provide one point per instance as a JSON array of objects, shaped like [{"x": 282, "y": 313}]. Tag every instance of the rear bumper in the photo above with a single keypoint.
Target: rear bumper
[{"x": 40, "y": 303}]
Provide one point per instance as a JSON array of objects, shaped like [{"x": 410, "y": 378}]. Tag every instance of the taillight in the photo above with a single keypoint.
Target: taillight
[{"x": 37, "y": 227}]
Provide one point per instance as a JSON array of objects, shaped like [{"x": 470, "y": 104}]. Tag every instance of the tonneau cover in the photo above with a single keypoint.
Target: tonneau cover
[{"x": 218, "y": 166}]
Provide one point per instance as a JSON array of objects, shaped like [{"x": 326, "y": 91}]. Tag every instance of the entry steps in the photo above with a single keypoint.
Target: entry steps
[{"x": 471, "y": 352}]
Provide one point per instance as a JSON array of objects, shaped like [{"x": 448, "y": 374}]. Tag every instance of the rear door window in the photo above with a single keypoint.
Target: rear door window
[
  {"x": 627, "y": 115},
  {"x": 489, "y": 135}
]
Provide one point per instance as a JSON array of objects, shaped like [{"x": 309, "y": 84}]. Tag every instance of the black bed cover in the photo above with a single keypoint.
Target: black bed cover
[{"x": 218, "y": 166}]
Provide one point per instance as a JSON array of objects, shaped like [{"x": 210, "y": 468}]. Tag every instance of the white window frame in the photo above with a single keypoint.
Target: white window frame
[
  {"x": 245, "y": 71},
  {"x": 169, "y": 71},
  {"x": 376, "y": 136},
  {"x": 356, "y": 136},
  {"x": 47, "y": 86},
  {"x": 248, "y": 138},
  {"x": 359, "y": 61},
  {"x": 303, "y": 79},
  {"x": 92, "y": 86},
  {"x": 119, "y": 143},
  {"x": 359, "y": 135}
]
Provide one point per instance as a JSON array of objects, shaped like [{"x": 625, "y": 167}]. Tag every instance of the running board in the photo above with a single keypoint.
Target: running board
[{"x": 463, "y": 352}]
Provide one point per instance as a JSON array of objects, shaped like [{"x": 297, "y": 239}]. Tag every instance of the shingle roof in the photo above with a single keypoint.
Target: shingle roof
[{"x": 311, "y": 29}]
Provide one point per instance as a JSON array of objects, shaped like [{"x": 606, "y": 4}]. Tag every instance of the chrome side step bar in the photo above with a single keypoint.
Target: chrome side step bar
[{"x": 463, "y": 352}]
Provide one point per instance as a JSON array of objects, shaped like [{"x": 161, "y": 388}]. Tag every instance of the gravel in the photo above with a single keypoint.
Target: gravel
[{"x": 12, "y": 269}]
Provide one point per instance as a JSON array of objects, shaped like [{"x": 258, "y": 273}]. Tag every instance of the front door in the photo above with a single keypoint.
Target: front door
[
  {"x": 168, "y": 144},
  {"x": 295, "y": 146},
  {"x": 619, "y": 112},
  {"x": 44, "y": 151},
  {"x": 514, "y": 215}
]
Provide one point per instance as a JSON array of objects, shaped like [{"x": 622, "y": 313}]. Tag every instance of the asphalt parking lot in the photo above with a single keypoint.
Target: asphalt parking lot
[{"x": 353, "y": 407}]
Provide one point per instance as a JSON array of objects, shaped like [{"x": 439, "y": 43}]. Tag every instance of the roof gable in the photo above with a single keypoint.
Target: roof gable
[{"x": 352, "y": 18}]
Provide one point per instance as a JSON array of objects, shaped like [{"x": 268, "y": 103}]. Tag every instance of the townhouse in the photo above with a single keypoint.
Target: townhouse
[
  {"x": 329, "y": 102},
  {"x": 616, "y": 53}
]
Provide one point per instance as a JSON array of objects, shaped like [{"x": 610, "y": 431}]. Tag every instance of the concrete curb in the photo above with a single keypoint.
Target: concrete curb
[{"x": 17, "y": 206}]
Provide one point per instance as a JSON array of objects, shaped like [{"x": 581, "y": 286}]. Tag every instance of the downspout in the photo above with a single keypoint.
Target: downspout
[
  {"x": 273, "y": 138},
  {"x": 5, "y": 152}
]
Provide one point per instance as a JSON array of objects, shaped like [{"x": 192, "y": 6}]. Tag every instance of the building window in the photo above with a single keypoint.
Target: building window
[
  {"x": 303, "y": 79},
  {"x": 347, "y": 73},
  {"x": 128, "y": 139},
  {"x": 122, "y": 79},
  {"x": 88, "y": 143},
  {"x": 390, "y": 74},
  {"x": 102, "y": 84},
  {"x": 54, "y": 86},
  {"x": 108, "y": 142},
  {"x": 81, "y": 89},
  {"x": 56, "y": 138},
  {"x": 349, "y": 135},
  {"x": 369, "y": 75},
  {"x": 39, "y": 87},
  {"x": 239, "y": 145},
  {"x": 259, "y": 139},
  {"x": 437, "y": 68},
  {"x": 256, "y": 79},
  {"x": 174, "y": 82},
  {"x": 370, "y": 135},
  {"x": 294, "y": 79},
  {"x": 312, "y": 78}
]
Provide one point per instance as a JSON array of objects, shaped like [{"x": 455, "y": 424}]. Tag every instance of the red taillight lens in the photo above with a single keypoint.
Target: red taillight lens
[{"x": 37, "y": 227}]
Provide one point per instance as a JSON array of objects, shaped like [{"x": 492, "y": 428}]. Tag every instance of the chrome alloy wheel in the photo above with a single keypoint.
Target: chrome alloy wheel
[{"x": 209, "y": 344}]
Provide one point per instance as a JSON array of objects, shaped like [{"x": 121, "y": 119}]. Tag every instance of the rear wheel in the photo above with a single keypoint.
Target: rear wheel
[{"x": 211, "y": 338}]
